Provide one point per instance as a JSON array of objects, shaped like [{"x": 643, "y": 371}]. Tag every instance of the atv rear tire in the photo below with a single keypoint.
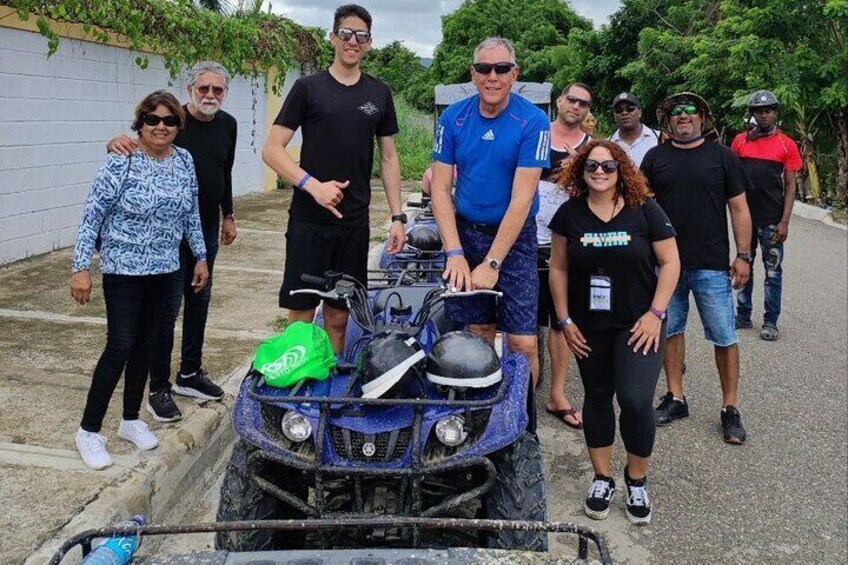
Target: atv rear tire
[
  {"x": 242, "y": 499},
  {"x": 518, "y": 494}
]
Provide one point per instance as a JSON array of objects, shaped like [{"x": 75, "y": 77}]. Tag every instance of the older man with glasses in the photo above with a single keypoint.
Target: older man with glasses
[
  {"x": 632, "y": 135},
  {"x": 696, "y": 181}
]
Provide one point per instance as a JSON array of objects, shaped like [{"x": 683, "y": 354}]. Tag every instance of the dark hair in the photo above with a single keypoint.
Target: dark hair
[
  {"x": 152, "y": 101},
  {"x": 631, "y": 184},
  {"x": 351, "y": 10},
  {"x": 582, "y": 85}
]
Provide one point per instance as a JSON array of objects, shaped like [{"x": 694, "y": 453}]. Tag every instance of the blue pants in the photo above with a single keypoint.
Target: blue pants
[
  {"x": 772, "y": 263},
  {"x": 194, "y": 315}
]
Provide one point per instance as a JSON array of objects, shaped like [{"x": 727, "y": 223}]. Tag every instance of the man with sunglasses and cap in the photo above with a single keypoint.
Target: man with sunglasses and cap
[
  {"x": 499, "y": 143},
  {"x": 340, "y": 111},
  {"x": 772, "y": 161},
  {"x": 210, "y": 136},
  {"x": 696, "y": 181},
  {"x": 632, "y": 135}
]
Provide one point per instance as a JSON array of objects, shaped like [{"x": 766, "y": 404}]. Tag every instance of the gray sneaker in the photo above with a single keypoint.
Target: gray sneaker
[{"x": 769, "y": 333}]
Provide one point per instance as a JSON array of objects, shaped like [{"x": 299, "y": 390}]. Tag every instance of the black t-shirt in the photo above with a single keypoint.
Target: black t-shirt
[
  {"x": 693, "y": 186},
  {"x": 339, "y": 127},
  {"x": 212, "y": 146},
  {"x": 557, "y": 157},
  {"x": 621, "y": 250}
]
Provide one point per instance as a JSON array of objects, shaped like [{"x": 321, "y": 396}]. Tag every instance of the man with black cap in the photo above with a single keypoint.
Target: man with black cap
[
  {"x": 695, "y": 182},
  {"x": 772, "y": 161},
  {"x": 632, "y": 135}
]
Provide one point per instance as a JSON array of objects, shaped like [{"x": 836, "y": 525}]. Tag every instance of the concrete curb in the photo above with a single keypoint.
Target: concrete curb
[
  {"x": 810, "y": 212},
  {"x": 154, "y": 484}
]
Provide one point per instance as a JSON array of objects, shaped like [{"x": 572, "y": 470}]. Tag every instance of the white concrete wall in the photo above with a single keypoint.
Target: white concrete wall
[{"x": 56, "y": 116}]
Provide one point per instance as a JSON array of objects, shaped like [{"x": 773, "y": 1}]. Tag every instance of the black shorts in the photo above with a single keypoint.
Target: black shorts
[
  {"x": 547, "y": 313},
  {"x": 314, "y": 249}
]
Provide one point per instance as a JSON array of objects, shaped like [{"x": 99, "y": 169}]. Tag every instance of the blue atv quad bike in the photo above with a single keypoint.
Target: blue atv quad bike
[{"x": 417, "y": 421}]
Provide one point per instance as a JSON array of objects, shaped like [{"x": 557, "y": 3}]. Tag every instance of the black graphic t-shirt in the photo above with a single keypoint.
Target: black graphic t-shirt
[
  {"x": 339, "y": 124},
  {"x": 619, "y": 250},
  {"x": 693, "y": 187}
]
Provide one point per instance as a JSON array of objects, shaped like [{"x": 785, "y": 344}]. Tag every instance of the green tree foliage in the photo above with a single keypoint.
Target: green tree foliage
[{"x": 395, "y": 65}]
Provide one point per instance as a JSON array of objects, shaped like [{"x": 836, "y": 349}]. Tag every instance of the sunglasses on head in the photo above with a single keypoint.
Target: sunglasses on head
[
  {"x": 578, "y": 101},
  {"x": 625, "y": 109},
  {"x": 689, "y": 109},
  {"x": 609, "y": 166},
  {"x": 345, "y": 34},
  {"x": 153, "y": 120},
  {"x": 216, "y": 90},
  {"x": 500, "y": 68}
]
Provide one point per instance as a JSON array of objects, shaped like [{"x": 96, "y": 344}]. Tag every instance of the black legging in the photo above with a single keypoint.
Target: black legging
[
  {"x": 133, "y": 304},
  {"x": 612, "y": 368}
]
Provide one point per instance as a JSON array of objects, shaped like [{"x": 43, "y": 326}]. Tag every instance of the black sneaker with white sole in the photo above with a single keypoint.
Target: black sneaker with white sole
[
  {"x": 197, "y": 385},
  {"x": 600, "y": 496},
  {"x": 638, "y": 504},
  {"x": 671, "y": 409},
  {"x": 731, "y": 425},
  {"x": 162, "y": 407}
]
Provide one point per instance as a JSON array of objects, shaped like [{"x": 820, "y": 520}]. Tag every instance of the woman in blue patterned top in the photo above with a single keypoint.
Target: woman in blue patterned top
[{"x": 140, "y": 207}]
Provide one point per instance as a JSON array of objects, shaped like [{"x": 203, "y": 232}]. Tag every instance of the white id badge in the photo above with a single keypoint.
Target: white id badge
[{"x": 600, "y": 293}]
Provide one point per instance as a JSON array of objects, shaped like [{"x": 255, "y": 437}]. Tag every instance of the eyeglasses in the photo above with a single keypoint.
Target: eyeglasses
[
  {"x": 345, "y": 34},
  {"x": 625, "y": 109},
  {"x": 689, "y": 109},
  {"x": 499, "y": 68},
  {"x": 578, "y": 101},
  {"x": 609, "y": 166},
  {"x": 153, "y": 120},
  {"x": 216, "y": 90}
]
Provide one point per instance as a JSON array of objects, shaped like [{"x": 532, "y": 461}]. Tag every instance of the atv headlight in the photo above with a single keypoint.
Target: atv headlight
[
  {"x": 296, "y": 427},
  {"x": 451, "y": 431}
]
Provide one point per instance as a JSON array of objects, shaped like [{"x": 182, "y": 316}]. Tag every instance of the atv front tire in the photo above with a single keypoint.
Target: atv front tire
[{"x": 518, "y": 494}]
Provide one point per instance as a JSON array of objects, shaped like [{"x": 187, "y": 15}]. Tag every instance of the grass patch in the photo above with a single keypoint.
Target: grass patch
[{"x": 414, "y": 142}]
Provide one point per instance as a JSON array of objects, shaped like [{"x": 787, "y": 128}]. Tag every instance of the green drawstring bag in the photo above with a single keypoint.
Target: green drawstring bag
[{"x": 302, "y": 351}]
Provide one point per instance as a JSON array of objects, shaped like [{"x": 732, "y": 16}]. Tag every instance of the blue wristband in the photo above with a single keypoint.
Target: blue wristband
[
  {"x": 304, "y": 180},
  {"x": 454, "y": 252},
  {"x": 560, "y": 324}
]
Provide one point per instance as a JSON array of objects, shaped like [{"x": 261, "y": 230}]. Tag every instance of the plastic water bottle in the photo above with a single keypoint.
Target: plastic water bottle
[{"x": 118, "y": 550}]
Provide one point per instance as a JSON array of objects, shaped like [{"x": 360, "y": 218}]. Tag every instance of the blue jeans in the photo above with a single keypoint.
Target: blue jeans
[
  {"x": 713, "y": 297},
  {"x": 194, "y": 315},
  {"x": 772, "y": 263}
]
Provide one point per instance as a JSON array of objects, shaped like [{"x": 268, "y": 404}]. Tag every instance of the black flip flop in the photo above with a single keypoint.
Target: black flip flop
[{"x": 561, "y": 414}]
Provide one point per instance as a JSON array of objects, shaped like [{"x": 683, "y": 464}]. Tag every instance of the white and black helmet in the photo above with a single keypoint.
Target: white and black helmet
[
  {"x": 763, "y": 98},
  {"x": 390, "y": 364},
  {"x": 463, "y": 360}
]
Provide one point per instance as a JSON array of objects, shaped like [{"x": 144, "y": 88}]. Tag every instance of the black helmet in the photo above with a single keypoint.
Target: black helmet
[
  {"x": 762, "y": 99},
  {"x": 423, "y": 238},
  {"x": 391, "y": 361},
  {"x": 464, "y": 360}
]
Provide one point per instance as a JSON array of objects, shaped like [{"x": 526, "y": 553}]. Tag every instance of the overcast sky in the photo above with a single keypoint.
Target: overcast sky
[{"x": 415, "y": 22}]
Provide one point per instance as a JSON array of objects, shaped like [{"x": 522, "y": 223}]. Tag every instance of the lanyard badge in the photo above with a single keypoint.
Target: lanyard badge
[{"x": 600, "y": 293}]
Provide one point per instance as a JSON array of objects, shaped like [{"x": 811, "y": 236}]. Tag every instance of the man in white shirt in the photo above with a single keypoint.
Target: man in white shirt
[{"x": 632, "y": 135}]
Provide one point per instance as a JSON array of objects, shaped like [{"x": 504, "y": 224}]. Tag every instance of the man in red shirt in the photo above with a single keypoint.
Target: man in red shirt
[{"x": 772, "y": 161}]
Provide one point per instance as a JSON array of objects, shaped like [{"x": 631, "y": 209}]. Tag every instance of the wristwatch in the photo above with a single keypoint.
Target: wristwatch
[
  {"x": 493, "y": 263},
  {"x": 399, "y": 218},
  {"x": 747, "y": 257}
]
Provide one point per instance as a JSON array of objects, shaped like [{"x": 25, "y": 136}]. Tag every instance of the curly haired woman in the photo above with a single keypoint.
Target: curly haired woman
[{"x": 614, "y": 266}]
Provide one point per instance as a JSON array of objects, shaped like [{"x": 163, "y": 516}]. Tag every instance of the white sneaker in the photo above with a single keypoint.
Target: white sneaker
[
  {"x": 136, "y": 431},
  {"x": 92, "y": 449}
]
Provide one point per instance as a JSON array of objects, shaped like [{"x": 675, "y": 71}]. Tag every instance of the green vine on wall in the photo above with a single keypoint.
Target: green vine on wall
[{"x": 246, "y": 43}]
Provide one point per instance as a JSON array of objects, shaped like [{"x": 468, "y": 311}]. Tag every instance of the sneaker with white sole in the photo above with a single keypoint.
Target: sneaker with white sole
[
  {"x": 197, "y": 385},
  {"x": 137, "y": 432},
  {"x": 92, "y": 449},
  {"x": 639, "y": 509},
  {"x": 161, "y": 406},
  {"x": 600, "y": 496}
]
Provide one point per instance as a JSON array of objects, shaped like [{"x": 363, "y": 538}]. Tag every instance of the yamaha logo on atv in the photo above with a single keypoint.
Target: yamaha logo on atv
[
  {"x": 369, "y": 449},
  {"x": 369, "y": 108}
]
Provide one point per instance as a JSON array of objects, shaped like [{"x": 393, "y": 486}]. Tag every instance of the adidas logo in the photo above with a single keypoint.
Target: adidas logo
[{"x": 488, "y": 136}]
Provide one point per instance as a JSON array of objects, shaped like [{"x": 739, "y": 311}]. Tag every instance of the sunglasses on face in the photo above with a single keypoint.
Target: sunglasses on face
[
  {"x": 625, "y": 109},
  {"x": 578, "y": 101},
  {"x": 609, "y": 166},
  {"x": 345, "y": 34},
  {"x": 689, "y": 109},
  {"x": 153, "y": 120},
  {"x": 216, "y": 90},
  {"x": 499, "y": 68}
]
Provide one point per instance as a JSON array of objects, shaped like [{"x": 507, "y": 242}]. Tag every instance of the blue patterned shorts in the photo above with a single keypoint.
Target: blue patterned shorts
[{"x": 515, "y": 313}]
